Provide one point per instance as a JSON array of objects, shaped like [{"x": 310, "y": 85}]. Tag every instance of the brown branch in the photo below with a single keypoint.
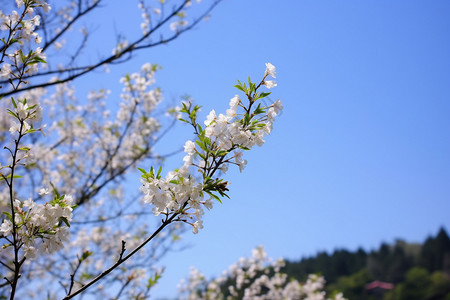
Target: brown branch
[
  {"x": 68, "y": 25},
  {"x": 121, "y": 259},
  {"x": 136, "y": 45}
]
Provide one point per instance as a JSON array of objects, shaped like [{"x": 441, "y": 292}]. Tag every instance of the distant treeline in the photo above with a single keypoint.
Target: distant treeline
[{"x": 402, "y": 271}]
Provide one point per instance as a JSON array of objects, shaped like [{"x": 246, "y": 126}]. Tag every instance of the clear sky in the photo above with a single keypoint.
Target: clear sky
[{"x": 361, "y": 153}]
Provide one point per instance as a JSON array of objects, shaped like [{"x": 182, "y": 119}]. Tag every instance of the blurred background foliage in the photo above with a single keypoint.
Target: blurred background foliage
[{"x": 400, "y": 271}]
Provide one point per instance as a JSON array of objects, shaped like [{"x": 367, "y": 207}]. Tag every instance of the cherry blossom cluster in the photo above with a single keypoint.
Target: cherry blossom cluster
[
  {"x": 16, "y": 30},
  {"x": 219, "y": 143},
  {"x": 87, "y": 149},
  {"x": 77, "y": 155},
  {"x": 20, "y": 28},
  {"x": 255, "y": 278},
  {"x": 23, "y": 116},
  {"x": 95, "y": 140},
  {"x": 39, "y": 228},
  {"x": 34, "y": 228}
]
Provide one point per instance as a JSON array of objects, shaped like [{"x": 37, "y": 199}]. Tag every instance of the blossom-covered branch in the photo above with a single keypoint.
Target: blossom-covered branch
[
  {"x": 220, "y": 142},
  {"x": 155, "y": 23},
  {"x": 82, "y": 158}
]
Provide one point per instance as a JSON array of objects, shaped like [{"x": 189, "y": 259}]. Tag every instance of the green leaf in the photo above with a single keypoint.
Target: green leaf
[
  {"x": 151, "y": 173},
  {"x": 221, "y": 153},
  {"x": 202, "y": 145},
  {"x": 246, "y": 119},
  {"x": 263, "y": 95},
  {"x": 15, "y": 176},
  {"x": 243, "y": 148},
  {"x": 85, "y": 276},
  {"x": 13, "y": 114},
  {"x": 251, "y": 86},
  {"x": 30, "y": 130},
  {"x": 158, "y": 176},
  {"x": 55, "y": 190},
  {"x": 8, "y": 215},
  {"x": 38, "y": 59},
  {"x": 239, "y": 87},
  {"x": 153, "y": 280},
  {"x": 258, "y": 110},
  {"x": 64, "y": 219},
  {"x": 13, "y": 102},
  {"x": 223, "y": 194},
  {"x": 22, "y": 57},
  {"x": 242, "y": 87},
  {"x": 85, "y": 255},
  {"x": 200, "y": 129},
  {"x": 215, "y": 197}
]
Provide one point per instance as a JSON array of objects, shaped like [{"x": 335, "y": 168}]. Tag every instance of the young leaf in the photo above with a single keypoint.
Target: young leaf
[
  {"x": 142, "y": 170},
  {"x": 202, "y": 145},
  {"x": 64, "y": 219},
  {"x": 158, "y": 176},
  {"x": 8, "y": 215},
  {"x": 239, "y": 87},
  {"x": 13, "y": 102}
]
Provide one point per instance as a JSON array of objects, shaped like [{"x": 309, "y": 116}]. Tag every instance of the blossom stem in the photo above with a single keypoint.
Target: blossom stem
[{"x": 17, "y": 263}]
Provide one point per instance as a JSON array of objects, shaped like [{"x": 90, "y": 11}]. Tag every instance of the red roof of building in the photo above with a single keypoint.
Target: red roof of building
[{"x": 379, "y": 284}]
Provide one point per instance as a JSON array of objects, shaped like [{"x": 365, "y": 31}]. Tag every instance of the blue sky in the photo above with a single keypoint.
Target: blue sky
[{"x": 361, "y": 153}]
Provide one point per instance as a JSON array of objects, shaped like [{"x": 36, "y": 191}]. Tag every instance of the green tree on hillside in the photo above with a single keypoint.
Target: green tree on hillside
[{"x": 435, "y": 254}]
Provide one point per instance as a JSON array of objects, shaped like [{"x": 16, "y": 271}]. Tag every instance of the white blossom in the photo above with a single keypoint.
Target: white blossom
[
  {"x": 270, "y": 84},
  {"x": 270, "y": 70},
  {"x": 6, "y": 227},
  {"x": 189, "y": 147}
]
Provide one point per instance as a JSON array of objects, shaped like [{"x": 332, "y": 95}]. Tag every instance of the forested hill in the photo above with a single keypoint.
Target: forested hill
[{"x": 393, "y": 272}]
